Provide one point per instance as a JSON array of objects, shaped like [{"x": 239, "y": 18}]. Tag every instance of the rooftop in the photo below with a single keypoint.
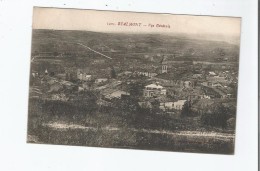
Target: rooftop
[{"x": 154, "y": 86}]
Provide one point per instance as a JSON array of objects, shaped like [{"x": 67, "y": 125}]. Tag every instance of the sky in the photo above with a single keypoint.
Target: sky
[{"x": 92, "y": 20}]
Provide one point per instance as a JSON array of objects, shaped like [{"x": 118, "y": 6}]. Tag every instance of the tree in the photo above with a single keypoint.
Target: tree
[
  {"x": 215, "y": 116},
  {"x": 67, "y": 77},
  {"x": 52, "y": 74},
  {"x": 128, "y": 105},
  {"x": 112, "y": 73},
  {"x": 136, "y": 88},
  {"x": 127, "y": 108},
  {"x": 155, "y": 107},
  {"x": 186, "y": 110},
  {"x": 90, "y": 83},
  {"x": 87, "y": 100}
]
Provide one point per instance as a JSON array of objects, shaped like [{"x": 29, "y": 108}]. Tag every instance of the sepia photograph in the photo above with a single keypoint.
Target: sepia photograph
[{"x": 132, "y": 80}]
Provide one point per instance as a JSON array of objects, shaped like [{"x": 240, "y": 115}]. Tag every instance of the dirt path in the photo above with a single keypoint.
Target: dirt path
[{"x": 65, "y": 126}]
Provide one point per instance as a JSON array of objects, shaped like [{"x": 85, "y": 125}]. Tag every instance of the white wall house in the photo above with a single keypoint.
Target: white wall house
[
  {"x": 101, "y": 80},
  {"x": 173, "y": 105},
  {"x": 153, "y": 90},
  {"x": 179, "y": 104},
  {"x": 84, "y": 77}
]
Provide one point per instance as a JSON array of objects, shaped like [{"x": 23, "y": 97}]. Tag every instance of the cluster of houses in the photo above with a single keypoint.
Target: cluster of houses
[
  {"x": 195, "y": 86},
  {"x": 83, "y": 75},
  {"x": 159, "y": 92},
  {"x": 208, "y": 85}
]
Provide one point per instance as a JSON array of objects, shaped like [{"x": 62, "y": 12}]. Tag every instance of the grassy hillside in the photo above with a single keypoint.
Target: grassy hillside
[{"x": 56, "y": 42}]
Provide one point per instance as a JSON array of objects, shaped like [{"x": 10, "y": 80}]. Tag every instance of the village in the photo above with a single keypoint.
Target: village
[
  {"x": 132, "y": 90},
  {"x": 169, "y": 83}
]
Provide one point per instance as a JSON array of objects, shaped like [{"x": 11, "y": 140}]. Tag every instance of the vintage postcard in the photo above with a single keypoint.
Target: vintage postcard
[{"x": 134, "y": 80}]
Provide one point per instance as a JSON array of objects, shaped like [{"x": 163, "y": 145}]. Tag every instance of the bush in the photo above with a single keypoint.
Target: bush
[
  {"x": 215, "y": 116},
  {"x": 231, "y": 123},
  {"x": 186, "y": 110}
]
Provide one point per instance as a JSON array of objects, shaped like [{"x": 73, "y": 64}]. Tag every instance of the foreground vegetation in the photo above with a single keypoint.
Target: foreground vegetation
[{"x": 108, "y": 127}]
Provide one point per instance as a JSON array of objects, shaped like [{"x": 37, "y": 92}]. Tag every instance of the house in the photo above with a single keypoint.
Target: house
[
  {"x": 205, "y": 97},
  {"x": 225, "y": 59},
  {"x": 60, "y": 97},
  {"x": 172, "y": 80},
  {"x": 207, "y": 83},
  {"x": 211, "y": 73},
  {"x": 229, "y": 96},
  {"x": 179, "y": 104},
  {"x": 55, "y": 87},
  {"x": 162, "y": 104},
  {"x": 35, "y": 92},
  {"x": 51, "y": 81},
  {"x": 218, "y": 85},
  {"x": 146, "y": 73},
  {"x": 102, "y": 102},
  {"x": 80, "y": 89},
  {"x": 188, "y": 84},
  {"x": 82, "y": 75},
  {"x": 172, "y": 105},
  {"x": 117, "y": 94},
  {"x": 66, "y": 83},
  {"x": 88, "y": 77},
  {"x": 98, "y": 61},
  {"x": 226, "y": 95},
  {"x": 166, "y": 79},
  {"x": 197, "y": 76},
  {"x": 153, "y": 90},
  {"x": 162, "y": 107},
  {"x": 169, "y": 105},
  {"x": 217, "y": 79},
  {"x": 35, "y": 74},
  {"x": 128, "y": 73},
  {"x": 61, "y": 76},
  {"x": 100, "y": 80},
  {"x": 145, "y": 104}
]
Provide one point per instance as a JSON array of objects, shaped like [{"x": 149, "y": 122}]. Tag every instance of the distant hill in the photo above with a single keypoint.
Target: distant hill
[{"x": 58, "y": 44}]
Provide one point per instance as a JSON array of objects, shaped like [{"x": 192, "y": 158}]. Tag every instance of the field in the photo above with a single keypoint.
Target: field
[{"x": 115, "y": 131}]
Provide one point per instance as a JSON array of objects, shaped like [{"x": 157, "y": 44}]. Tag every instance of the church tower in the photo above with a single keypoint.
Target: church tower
[{"x": 164, "y": 66}]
